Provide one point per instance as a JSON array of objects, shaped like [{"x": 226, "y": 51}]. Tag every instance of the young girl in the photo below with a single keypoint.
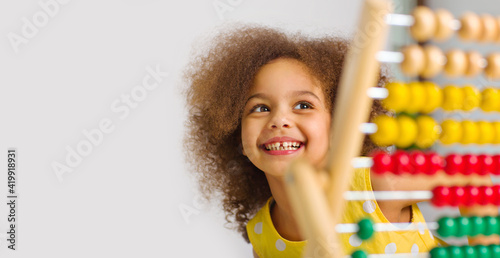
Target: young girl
[{"x": 258, "y": 98}]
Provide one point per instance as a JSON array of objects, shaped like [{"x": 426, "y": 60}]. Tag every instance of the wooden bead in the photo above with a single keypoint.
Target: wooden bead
[
  {"x": 456, "y": 63},
  {"x": 497, "y": 19},
  {"x": 471, "y": 28},
  {"x": 492, "y": 70},
  {"x": 490, "y": 28},
  {"x": 434, "y": 61},
  {"x": 414, "y": 60},
  {"x": 424, "y": 26},
  {"x": 444, "y": 21},
  {"x": 474, "y": 63}
]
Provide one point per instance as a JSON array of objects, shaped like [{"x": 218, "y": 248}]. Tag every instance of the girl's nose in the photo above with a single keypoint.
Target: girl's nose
[{"x": 279, "y": 120}]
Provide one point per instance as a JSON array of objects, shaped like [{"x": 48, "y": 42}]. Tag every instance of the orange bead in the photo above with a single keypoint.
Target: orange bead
[
  {"x": 474, "y": 63},
  {"x": 443, "y": 25},
  {"x": 490, "y": 28},
  {"x": 424, "y": 26},
  {"x": 456, "y": 63},
  {"x": 471, "y": 28},
  {"x": 414, "y": 60},
  {"x": 434, "y": 61},
  {"x": 492, "y": 70}
]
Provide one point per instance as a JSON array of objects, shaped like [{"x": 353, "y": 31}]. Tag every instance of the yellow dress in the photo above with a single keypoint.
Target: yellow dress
[{"x": 267, "y": 242}]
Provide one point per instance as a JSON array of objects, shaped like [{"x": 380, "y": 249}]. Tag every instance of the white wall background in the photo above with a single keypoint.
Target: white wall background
[{"x": 124, "y": 198}]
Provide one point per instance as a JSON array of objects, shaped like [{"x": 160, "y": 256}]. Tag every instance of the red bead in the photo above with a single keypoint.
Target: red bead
[
  {"x": 486, "y": 195},
  {"x": 496, "y": 194},
  {"x": 382, "y": 162},
  {"x": 457, "y": 195},
  {"x": 441, "y": 196},
  {"x": 486, "y": 165},
  {"x": 401, "y": 161},
  {"x": 471, "y": 197},
  {"x": 454, "y": 164},
  {"x": 434, "y": 163},
  {"x": 418, "y": 162},
  {"x": 496, "y": 164},
  {"x": 471, "y": 164}
]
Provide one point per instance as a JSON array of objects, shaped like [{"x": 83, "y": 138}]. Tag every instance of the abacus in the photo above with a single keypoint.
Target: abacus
[{"x": 318, "y": 202}]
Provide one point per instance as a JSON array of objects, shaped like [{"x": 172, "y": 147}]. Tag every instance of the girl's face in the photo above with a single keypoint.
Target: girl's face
[{"x": 285, "y": 117}]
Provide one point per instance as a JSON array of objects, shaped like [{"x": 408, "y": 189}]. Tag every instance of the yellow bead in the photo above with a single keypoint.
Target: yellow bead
[
  {"x": 417, "y": 97},
  {"x": 472, "y": 98},
  {"x": 451, "y": 132},
  {"x": 387, "y": 131},
  {"x": 428, "y": 132},
  {"x": 398, "y": 98},
  {"x": 496, "y": 132},
  {"x": 470, "y": 132},
  {"x": 490, "y": 100},
  {"x": 453, "y": 98},
  {"x": 486, "y": 132},
  {"x": 407, "y": 131},
  {"x": 434, "y": 97}
]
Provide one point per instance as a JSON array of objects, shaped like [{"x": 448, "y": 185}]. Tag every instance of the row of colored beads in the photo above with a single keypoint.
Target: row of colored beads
[
  {"x": 417, "y": 162},
  {"x": 465, "y": 195},
  {"x": 468, "y": 226},
  {"x": 403, "y": 131},
  {"x": 467, "y": 251},
  {"x": 429, "y": 24},
  {"x": 426, "y": 97}
]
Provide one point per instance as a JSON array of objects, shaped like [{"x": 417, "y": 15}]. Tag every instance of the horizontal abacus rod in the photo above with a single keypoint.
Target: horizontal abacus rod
[
  {"x": 387, "y": 195},
  {"x": 380, "y": 227}
]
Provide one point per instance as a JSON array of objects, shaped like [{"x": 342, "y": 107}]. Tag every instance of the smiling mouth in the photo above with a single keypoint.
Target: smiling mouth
[{"x": 277, "y": 146}]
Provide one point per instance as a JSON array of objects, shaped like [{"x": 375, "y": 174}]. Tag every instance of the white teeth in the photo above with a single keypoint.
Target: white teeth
[{"x": 283, "y": 146}]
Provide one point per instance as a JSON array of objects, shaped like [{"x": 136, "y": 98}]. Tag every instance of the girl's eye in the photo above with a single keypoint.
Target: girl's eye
[
  {"x": 303, "y": 105},
  {"x": 260, "y": 108}
]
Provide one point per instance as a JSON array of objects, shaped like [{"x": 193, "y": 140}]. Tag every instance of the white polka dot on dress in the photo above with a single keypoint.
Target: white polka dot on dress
[
  {"x": 414, "y": 250},
  {"x": 390, "y": 248},
  {"x": 355, "y": 241},
  {"x": 369, "y": 206},
  {"x": 280, "y": 245},
  {"x": 421, "y": 228},
  {"x": 258, "y": 228}
]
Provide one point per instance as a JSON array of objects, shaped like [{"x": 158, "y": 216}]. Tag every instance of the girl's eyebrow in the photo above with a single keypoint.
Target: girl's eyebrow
[{"x": 294, "y": 94}]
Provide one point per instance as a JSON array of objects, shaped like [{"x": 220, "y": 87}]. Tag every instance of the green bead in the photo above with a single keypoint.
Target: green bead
[
  {"x": 477, "y": 226},
  {"x": 469, "y": 251},
  {"x": 439, "y": 252},
  {"x": 359, "y": 254},
  {"x": 455, "y": 251},
  {"x": 492, "y": 225},
  {"x": 447, "y": 227},
  {"x": 495, "y": 250},
  {"x": 482, "y": 251},
  {"x": 365, "y": 229},
  {"x": 463, "y": 226}
]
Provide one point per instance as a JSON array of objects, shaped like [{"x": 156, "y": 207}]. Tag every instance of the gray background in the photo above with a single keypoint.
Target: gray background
[{"x": 126, "y": 197}]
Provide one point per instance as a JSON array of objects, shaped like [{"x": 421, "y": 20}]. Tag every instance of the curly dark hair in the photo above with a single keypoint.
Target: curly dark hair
[{"x": 219, "y": 81}]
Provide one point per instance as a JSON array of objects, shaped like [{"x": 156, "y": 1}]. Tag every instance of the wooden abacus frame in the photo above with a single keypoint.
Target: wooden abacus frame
[{"x": 318, "y": 209}]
